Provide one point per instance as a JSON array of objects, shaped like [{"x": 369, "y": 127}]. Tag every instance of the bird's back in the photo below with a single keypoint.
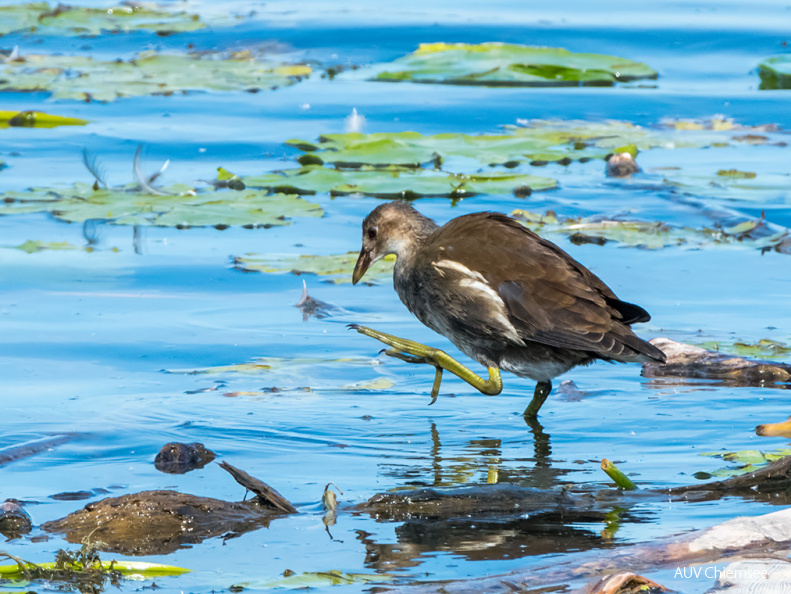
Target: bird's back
[{"x": 488, "y": 283}]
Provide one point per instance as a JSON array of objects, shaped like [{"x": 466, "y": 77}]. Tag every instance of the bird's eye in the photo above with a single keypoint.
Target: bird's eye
[{"x": 372, "y": 233}]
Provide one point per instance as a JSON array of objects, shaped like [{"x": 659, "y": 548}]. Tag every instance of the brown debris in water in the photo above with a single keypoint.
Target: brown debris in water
[
  {"x": 688, "y": 361},
  {"x": 179, "y": 458}
]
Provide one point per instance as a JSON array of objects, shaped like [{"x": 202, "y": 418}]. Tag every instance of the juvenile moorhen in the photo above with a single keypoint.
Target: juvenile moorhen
[{"x": 503, "y": 295}]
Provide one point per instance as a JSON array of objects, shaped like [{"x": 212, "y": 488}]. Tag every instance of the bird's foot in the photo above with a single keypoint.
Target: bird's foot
[{"x": 415, "y": 352}]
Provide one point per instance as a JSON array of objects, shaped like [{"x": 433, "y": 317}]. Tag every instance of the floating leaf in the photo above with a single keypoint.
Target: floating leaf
[
  {"x": 150, "y": 73},
  {"x": 31, "y": 246},
  {"x": 264, "y": 365},
  {"x": 749, "y": 460},
  {"x": 394, "y": 182},
  {"x": 763, "y": 348},
  {"x": 338, "y": 266},
  {"x": 130, "y": 569},
  {"x": 754, "y": 234},
  {"x": 70, "y": 20},
  {"x": 502, "y": 64},
  {"x": 775, "y": 73},
  {"x": 36, "y": 119},
  {"x": 381, "y": 383},
  {"x": 183, "y": 207},
  {"x": 315, "y": 579},
  {"x": 736, "y": 173},
  {"x": 532, "y": 141}
]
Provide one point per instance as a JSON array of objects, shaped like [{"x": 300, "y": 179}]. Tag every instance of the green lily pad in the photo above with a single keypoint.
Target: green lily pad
[
  {"x": 502, "y": 64},
  {"x": 395, "y": 182},
  {"x": 338, "y": 266},
  {"x": 749, "y": 460},
  {"x": 32, "y": 247},
  {"x": 381, "y": 383},
  {"x": 763, "y": 349},
  {"x": 315, "y": 579},
  {"x": 775, "y": 73},
  {"x": 754, "y": 234},
  {"x": 36, "y": 119},
  {"x": 40, "y": 18},
  {"x": 265, "y": 365},
  {"x": 533, "y": 141},
  {"x": 183, "y": 207},
  {"x": 150, "y": 73}
]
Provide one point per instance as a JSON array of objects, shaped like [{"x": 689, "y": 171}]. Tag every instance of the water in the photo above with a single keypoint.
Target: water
[{"x": 87, "y": 337}]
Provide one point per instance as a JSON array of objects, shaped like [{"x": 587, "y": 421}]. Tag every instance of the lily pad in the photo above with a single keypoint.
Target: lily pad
[
  {"x": 395, "y": 182},
  {"x": 764, "y": 348},
  {"x": 314, "y": 579},
  {"x": 182, "y": 207},
  {"x": 40, "y": 18},
  {"x": 532, "y": 141},
  {"x": 502, "y": 64},
  {"x": 775, "y": 73},
  {"x": 36, "y": 119},
  {"x": 754, "y": 234},
  {"x": 338, "y": 267},
  {"x": 32, "y": 247},
  {"x": 150, "y": 73},
  {"x": 265, "y": 365},
  {"x": 748, "y": 460}
]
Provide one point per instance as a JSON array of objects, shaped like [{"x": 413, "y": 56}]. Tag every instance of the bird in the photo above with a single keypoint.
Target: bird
[{"x": 504, "y": 296}]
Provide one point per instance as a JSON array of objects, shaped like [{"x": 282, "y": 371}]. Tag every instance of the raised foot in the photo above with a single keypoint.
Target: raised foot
[{"x": 415, "y": 352}]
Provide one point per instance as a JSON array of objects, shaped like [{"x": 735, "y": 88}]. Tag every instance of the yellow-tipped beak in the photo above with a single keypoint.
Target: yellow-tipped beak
[{"x": 363, "y": 262}]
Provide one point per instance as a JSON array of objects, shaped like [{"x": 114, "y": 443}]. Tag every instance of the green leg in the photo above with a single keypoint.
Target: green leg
[
  {"x": 415, "y": 352},
  {"x": 539, "y": 397}
]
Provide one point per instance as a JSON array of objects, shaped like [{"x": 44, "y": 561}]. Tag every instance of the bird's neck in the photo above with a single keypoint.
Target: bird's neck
[{"x": 416, "y": 231}]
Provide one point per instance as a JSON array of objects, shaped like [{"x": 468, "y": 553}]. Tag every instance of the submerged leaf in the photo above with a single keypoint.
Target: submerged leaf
[
  {"x": 36, "y": 119},
  {"x": 73, "y": 20},
  {"x": 31, "y": 246},
  {"x": 502, "y": 64},
  {"x": 338, "y": 266},
  {"x": 749, "y": 460},
  {"x": 149, "y": 73},
  {"x": 396, "y": 182},
  {"x": 316, "y": 579},
  {"x": 182, "y": 207},
  {"x": 763, "y": 348}
]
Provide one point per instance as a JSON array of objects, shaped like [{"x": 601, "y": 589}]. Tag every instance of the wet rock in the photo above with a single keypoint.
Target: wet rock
[
  {"x": 158, "y": 522},
  {"x": 685, "y": 360},
  {"x": 14, "y": 520},
  {"x": 179, "y": 458},
  {"x": 621, "y": 165}
]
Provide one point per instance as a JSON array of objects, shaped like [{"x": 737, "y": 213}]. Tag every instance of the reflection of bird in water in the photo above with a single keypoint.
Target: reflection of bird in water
[{"x": 503, "y": 295}]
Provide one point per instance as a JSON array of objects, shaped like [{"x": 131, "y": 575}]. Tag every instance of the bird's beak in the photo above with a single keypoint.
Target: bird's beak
[{"x": 363, "y": 262}]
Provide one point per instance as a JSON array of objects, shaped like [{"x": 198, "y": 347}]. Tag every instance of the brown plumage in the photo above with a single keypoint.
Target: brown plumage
[{"x": 503, "y": 295}]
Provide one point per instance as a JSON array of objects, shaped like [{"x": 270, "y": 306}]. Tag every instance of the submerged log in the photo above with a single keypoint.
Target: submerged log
[
  {"x": 688, "y": 361},
  {"x": 158, "y": 522}
]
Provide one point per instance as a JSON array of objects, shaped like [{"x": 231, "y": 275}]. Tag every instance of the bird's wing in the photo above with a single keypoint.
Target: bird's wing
[{"x": 550, "y": 297}]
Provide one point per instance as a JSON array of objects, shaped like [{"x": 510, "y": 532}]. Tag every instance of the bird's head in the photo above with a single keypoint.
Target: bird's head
[{"x": 392, "y": 228}]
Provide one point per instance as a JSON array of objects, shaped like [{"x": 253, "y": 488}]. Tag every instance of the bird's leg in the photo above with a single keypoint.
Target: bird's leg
[
  {"x": 415, "y": 352},
  {"x": 539, "y": 397}
]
